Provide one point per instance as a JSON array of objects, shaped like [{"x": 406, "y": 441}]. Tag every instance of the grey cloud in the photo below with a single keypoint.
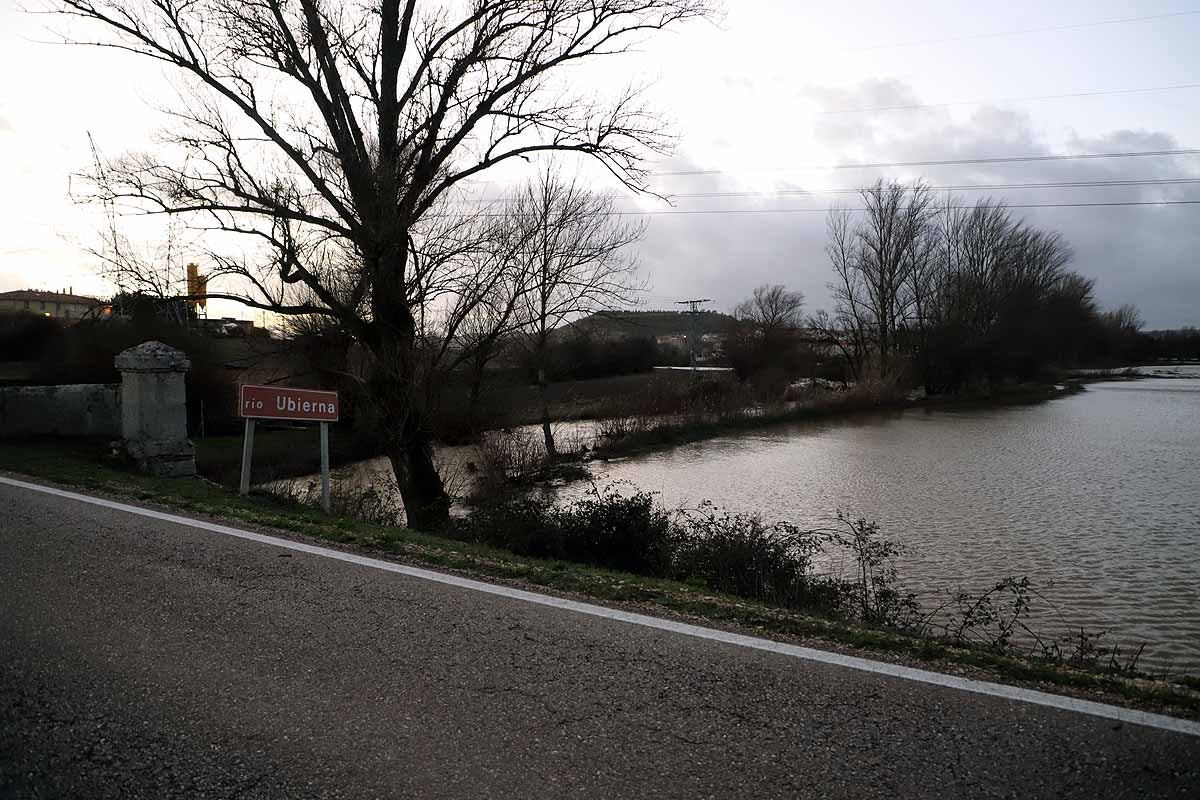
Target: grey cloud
[
  {"x": 1124, "y": 140},
  {"x": 868, "y": 94},
  {"x": 724, "y": 256},
  {"x": 1143, "y": 255}
]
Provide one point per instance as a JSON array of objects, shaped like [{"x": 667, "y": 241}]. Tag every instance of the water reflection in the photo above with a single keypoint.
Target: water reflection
[{"x": 1096, "y": 494}]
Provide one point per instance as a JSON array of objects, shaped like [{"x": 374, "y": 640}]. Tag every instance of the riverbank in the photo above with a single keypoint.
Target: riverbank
[
  {"x": 623, "y": 436},
  {"x": 615, "y": 405},
  {"x": 85, "y": 465}
]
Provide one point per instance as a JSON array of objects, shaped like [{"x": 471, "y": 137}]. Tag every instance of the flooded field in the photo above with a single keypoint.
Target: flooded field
[{"x": 1095, "y": 497}]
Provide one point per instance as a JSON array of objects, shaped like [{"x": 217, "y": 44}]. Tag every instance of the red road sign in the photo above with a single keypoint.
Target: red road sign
[{"x": 280, "y": 402}]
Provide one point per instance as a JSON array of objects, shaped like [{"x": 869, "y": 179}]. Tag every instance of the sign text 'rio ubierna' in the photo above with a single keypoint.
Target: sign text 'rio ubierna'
[{"x": 280, "y": 402}]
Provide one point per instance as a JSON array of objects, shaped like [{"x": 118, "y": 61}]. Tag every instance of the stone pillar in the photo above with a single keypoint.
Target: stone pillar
[{"x": 154, "y": 409}]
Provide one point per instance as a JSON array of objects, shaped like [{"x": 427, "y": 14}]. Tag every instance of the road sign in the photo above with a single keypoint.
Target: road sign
[{"x": 281, "y": 402}]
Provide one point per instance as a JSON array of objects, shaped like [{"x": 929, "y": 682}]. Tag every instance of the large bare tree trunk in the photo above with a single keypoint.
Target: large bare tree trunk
[
  {"x": 408, "y": 444},
  {"x": 426, "y": 503},
  {"x": 474, "y": 392},
  {"x": 547, "y": 434},
  {"x": 406, "y": 435}
]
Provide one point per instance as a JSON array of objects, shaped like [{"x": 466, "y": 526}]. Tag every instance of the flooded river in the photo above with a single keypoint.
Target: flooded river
[{"x": 1094, "y": 496}]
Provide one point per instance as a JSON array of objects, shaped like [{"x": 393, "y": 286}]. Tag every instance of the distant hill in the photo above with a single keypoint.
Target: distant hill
[{"x": 651, "y": 323}]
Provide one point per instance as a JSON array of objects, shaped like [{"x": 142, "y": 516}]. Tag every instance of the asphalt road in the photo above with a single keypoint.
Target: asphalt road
[{"x": 140, "y": 658}]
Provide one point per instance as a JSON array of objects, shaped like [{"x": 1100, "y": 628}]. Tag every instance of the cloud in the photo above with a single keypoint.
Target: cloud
[
  {"x": 1144, "y": 255},
  {"x": 12, "y": 280},
  {"x": 5, "y": 125},
  {"x": 871, "y": 93}
]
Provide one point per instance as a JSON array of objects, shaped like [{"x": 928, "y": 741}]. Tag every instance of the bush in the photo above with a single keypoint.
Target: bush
[
  {"x": 626, "y": 533},
  {"x": 378, "y": 505},
  {"x": 512, "y": 455},
  {"x": 779, "y": 564},
  {"x": 619, "y": 429},
  {"x": 510, "y": 461},
  {"x": 872, "y": 592},
  {"x": 735, "y": 554},
  {"x": 741, "y": 555},
  {"x": 526, "y": 526},
  {"x": 606, "y": 530}
]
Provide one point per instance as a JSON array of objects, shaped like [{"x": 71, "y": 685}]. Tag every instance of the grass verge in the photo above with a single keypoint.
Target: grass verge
[
  {"x": 85, "y": 465},
  {"x": 278, "y": 453}
]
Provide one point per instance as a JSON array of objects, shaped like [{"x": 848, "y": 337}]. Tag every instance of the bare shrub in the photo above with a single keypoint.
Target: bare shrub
[
  {"x": 615, "y": 429},
  {"x": 363, "y": 501},
  {"x": 873, "y": 587},
  {"x": 512, "y": 459},
  {"x": 783, "y": 565},
  {"x": 742, "y": 555},
  {"x": 511, "y": 455}
]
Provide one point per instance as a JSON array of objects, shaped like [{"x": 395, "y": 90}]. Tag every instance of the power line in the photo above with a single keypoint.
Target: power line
[
  {"x": 690, "y": 212},
  {"x": 962, "y": 187},
  {"x": 1034, "y": 98},
  {"x": 883, "y": 165},
  {"x": 949, "y": 188},
  {"x": 934, "y": 163},
  {"x": 1114, "y": 204},
  {"x": 1018, "y": 32}
]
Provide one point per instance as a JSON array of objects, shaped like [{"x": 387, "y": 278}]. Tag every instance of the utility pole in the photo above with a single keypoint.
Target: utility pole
[{"x": 694, "y": 311}]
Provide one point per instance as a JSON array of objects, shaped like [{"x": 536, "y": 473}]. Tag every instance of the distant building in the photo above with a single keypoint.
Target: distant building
[
  {"x": 64, "y": 306},
  {"x": 228, "y": 326},
  {"x": 709, "y": 345}
]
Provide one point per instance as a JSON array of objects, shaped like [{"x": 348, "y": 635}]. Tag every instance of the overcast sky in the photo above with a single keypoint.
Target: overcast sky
[{"x": 779, "y": 87}]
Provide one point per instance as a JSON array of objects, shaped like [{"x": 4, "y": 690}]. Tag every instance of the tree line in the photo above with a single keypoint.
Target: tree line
[{"x": 946, "y": 296}]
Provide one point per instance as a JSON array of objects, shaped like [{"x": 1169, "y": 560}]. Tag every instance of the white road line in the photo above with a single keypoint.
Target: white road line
[{"x": 1018, "y": 694}]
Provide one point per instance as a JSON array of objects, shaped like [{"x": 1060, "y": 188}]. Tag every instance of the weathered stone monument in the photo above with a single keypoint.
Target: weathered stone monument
[{"x": 154, "y": 409}]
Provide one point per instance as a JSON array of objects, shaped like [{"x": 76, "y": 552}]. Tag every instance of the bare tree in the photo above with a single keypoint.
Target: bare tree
[
  {"x": 990, "y": 254},
  {"x": 574, "y": 259},
  {"x": 486, "y": 333},
  {"x": 1126, "y": 319},
  {"x": 878, "y": 260},
  {"x": 763, "y": 330},
  {"x": 1003, "y": 294},
  {"x": 835, "y": 334},
  {"x": 156, "y": 271},
  {"x": 320, "y": 145},
  {"x": 970, "y": 292},
  {"x": 846, "y": 329},
  {"x": 771, "y": 309}
]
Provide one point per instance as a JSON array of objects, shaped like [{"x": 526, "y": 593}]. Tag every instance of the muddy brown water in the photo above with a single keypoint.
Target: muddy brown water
[{"x": 1094, "y": 496}]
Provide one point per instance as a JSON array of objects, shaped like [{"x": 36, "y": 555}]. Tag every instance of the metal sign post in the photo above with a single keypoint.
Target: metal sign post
[
  {"x": 300, "y": 405},
  {"x": 325, "y": 466},
  {"x": 247, "y": 454}
]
